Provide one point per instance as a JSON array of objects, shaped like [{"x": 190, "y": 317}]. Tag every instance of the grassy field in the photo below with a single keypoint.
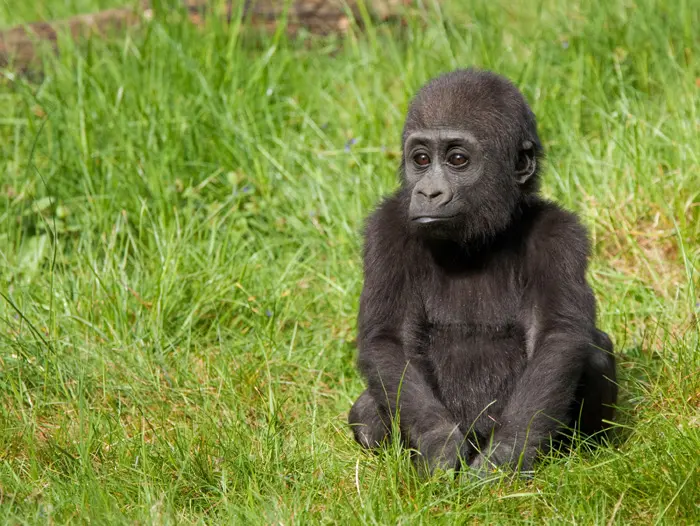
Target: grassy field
[
  {"x": 180, "y": 240},
  {"x": 19, "y": 12}
]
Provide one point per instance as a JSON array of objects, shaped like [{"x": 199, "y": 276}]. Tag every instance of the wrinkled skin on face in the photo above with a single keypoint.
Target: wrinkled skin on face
[{"x": 470, "y": 153}]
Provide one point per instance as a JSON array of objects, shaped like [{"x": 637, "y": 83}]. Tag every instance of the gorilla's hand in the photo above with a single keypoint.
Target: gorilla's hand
[{"x": 441, "y": 448}]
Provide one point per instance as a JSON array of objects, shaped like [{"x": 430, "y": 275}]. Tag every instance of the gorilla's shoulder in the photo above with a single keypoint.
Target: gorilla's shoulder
[
  {"x": 557, "y": 235},
  {"x": 388, "y": 222},
  {"x": 386, "y": 231}
]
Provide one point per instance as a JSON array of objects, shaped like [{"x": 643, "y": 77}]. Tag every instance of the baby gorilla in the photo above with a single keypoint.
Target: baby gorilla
[{"x": 476, "y": 324}]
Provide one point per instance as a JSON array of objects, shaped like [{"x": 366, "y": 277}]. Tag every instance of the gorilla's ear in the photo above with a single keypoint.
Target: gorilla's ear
[{"x": 527, "y": 163}]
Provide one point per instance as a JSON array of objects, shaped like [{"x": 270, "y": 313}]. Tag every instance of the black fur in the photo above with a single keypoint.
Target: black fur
[{"x": 476, "y": 322}]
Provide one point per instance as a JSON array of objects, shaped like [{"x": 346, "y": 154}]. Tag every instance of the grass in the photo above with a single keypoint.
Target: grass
[
  {"x": 18, "y": 12},
  {"x": 180, "y": 237}
]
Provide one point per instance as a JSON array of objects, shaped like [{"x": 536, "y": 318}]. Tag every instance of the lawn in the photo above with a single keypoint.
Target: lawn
[{"x": 180, "y": 264}]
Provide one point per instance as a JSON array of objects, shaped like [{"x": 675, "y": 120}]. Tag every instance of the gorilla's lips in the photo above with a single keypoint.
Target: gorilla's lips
[
  {"x": 425, "y": 220},
  {"x": 435, "y": 226}
]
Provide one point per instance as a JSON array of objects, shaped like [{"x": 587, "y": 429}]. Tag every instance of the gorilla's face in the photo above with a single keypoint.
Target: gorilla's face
[{"x": 469, "y": 154}]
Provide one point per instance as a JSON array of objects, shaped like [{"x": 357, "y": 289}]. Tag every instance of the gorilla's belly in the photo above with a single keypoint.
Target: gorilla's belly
[{"x": 475, "y": 368}]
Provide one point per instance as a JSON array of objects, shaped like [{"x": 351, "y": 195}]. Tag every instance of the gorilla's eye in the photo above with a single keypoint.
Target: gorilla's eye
[
  {"x": 421, "y": 159},
  {"x": 457, "y": 159}
]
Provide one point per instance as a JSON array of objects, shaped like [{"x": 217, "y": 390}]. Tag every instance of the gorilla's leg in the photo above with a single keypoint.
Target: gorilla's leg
[
  {"x": 369, "y": 423},
  {"x": 597, "y": 390}
]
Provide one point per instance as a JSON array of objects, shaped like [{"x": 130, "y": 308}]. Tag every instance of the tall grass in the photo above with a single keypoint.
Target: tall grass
[{"x": 180, "y": 219}]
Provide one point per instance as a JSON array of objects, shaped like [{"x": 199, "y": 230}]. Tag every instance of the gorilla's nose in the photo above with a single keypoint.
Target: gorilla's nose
[
  {"x": 435, "y": 197},
  {"x": 432, "y": 193}
]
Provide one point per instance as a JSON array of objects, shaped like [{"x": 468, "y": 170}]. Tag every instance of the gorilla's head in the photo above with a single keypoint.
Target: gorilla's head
[{"x": 470, "y": 153}]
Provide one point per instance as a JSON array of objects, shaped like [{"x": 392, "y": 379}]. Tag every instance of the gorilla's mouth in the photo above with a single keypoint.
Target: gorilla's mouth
[{"x": 424, "y": 220}]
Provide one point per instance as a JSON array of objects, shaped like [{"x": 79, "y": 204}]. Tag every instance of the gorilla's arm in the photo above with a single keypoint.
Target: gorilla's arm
[
  {"x": 395, "y": 381},
  {"x": 561, "y": 321}
]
